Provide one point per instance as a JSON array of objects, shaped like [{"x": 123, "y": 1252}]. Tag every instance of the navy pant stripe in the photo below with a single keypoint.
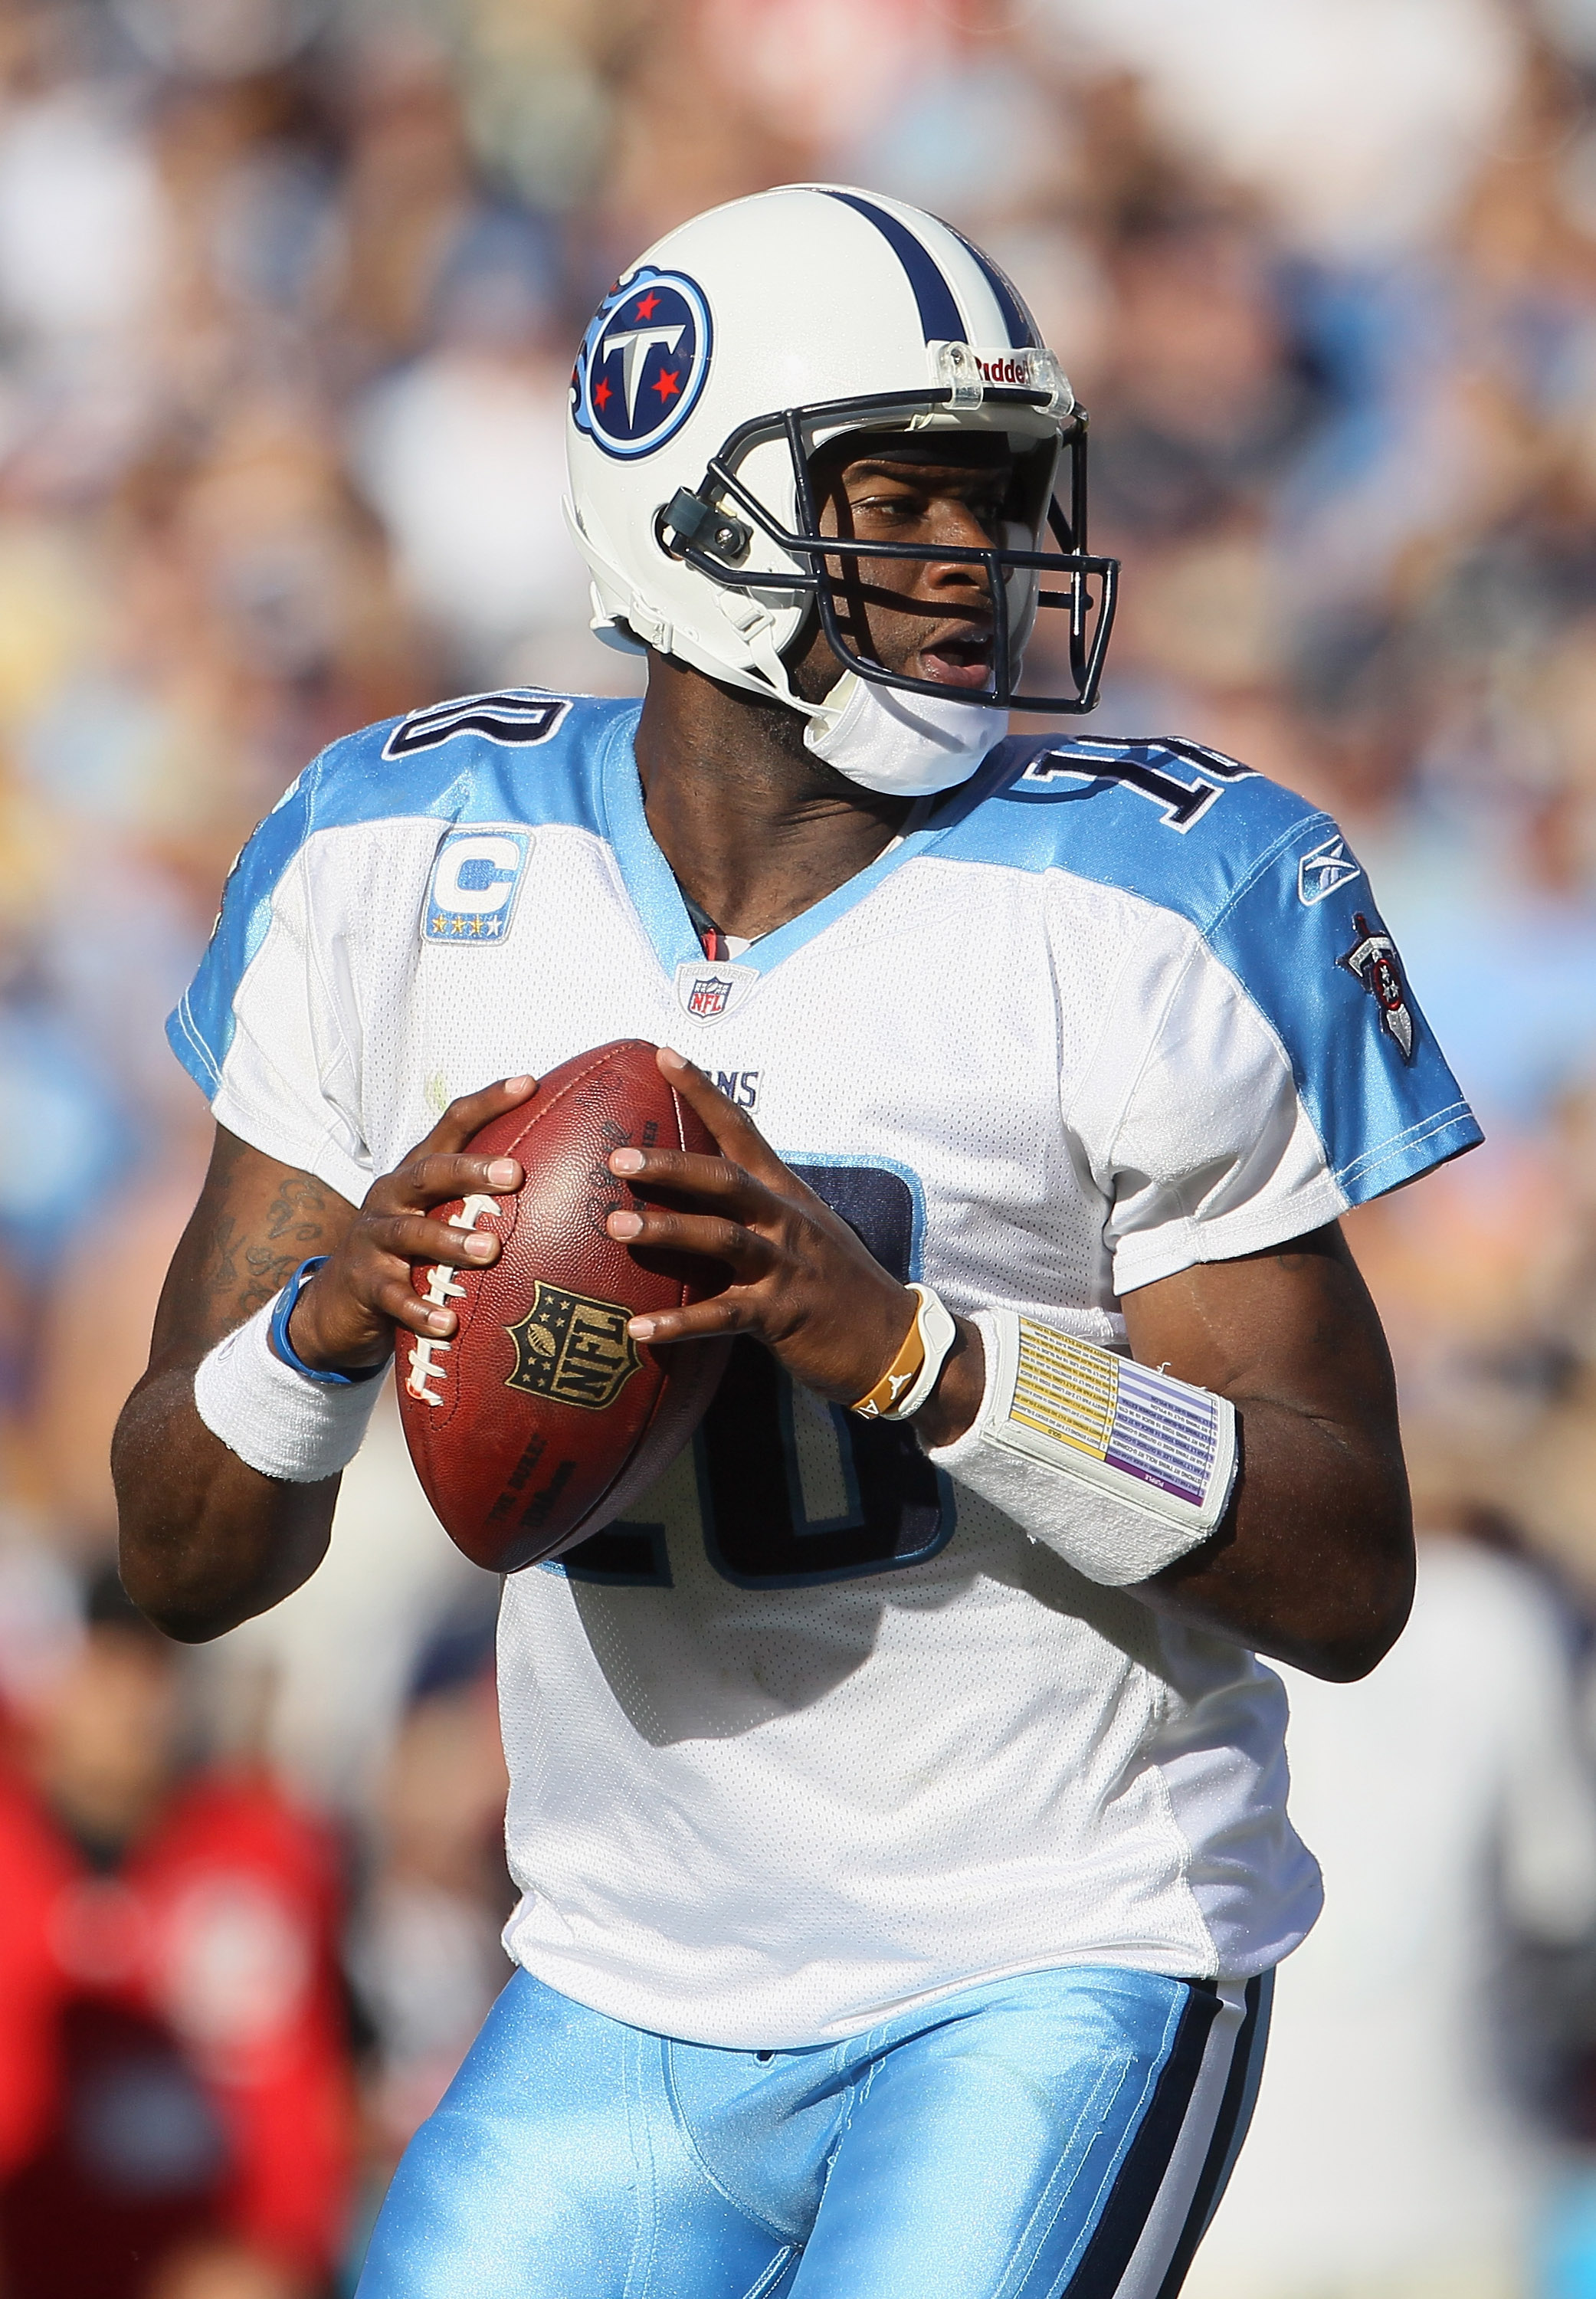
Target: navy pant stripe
[
  {"x": 1118, "y": 2230},
  {"x": 1236, "y": 2113}
]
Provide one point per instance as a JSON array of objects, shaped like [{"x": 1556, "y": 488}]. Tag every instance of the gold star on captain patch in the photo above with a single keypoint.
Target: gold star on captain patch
[
  {"x": 457, "y": 926},
  {"x": 438, "y": 922},
  {"x": 476, "y": 926}
]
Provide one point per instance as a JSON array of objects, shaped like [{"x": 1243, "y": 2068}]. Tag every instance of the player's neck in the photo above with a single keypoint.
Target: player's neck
[{"x": 756, "y": 828}]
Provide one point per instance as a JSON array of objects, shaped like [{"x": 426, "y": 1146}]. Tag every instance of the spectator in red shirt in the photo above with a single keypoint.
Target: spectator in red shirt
[{"x": 174, "y": 2113}]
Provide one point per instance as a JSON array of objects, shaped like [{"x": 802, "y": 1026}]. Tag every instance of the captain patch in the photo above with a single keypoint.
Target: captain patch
[{"x": 474, "y": 882}]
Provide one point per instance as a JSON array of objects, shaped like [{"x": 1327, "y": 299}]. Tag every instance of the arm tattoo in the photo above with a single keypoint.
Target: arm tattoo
[
  {"x": 293, "y": 1220},
  {"x": 296, "y": 1211}
]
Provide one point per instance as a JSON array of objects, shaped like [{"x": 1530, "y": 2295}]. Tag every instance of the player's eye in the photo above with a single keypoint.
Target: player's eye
[{"x": 892, "y": 506}]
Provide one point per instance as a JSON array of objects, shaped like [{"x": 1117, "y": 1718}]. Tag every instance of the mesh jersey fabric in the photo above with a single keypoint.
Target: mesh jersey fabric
[{"x": 815, "y": 1737}]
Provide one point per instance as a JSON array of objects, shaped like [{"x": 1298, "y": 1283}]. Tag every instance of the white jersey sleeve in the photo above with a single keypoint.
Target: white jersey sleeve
[
  {"x": 1259, "y": 1064},
  {"x": 1207, "y": 1149},
  {"x": 268, "y": 1027}
]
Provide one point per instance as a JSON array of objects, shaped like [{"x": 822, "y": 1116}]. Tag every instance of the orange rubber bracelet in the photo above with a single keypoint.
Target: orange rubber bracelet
[{"x": 900, "y": 1375}]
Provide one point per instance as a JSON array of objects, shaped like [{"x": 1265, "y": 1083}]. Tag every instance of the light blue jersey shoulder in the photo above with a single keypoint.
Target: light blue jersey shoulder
[
  {"x": 1265, "y": 880},
  {"x": 1276, "y": 894},
  {"x": 458, "y": 762},
  {"x": 467, "y": 761},
  {"x": 1172, "y": 821}
]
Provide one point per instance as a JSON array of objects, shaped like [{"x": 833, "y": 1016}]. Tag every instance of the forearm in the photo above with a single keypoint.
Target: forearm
[
  {"x": 956, "y": 1399},
  {"x": 226, "y": 1504},
  {"x": 206, "y": 1540},
  {"x": 1314, "y": 1561},
  {"x": 1311, "y": 1559}
]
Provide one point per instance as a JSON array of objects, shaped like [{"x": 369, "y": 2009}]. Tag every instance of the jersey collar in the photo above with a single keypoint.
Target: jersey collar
[{"x": 657, "y": 898}]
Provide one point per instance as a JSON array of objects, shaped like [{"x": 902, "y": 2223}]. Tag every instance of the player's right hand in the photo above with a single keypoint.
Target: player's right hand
[{"x": 343, "y": 1319}]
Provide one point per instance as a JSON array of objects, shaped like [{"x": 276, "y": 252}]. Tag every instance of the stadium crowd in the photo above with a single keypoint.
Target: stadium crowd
[{"x": 288, "y": 294}]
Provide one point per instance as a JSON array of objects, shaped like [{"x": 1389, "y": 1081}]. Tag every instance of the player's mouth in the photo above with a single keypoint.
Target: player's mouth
[{"x": 958, "y": 656}]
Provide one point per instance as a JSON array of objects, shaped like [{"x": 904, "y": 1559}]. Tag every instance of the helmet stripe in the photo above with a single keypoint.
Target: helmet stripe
[
  {"x": 1022, "y": 327},
  {"x": 940, "y": 314}
]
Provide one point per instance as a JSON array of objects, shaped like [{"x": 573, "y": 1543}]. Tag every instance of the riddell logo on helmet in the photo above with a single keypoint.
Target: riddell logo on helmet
[
  {"x": 1003, "y": 368},
  {"x": 642, "y": 362}
]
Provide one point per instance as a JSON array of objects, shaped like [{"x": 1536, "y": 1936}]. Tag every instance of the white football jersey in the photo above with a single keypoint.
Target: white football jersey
[{"x": 814, "y": 1735}]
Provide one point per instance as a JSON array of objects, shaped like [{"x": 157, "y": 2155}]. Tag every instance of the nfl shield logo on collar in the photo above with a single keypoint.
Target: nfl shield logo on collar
[
  {"x": 713, "y": 987},
  {"x": 474, "y": 885},
  {"x": 708, "y": 996}
]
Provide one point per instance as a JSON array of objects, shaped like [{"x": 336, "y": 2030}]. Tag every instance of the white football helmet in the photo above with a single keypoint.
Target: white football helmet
[{"x": 743, "y": 341}]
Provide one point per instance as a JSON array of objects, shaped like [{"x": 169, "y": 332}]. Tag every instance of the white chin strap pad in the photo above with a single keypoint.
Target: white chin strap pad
[{"x": 903, "y": 745}]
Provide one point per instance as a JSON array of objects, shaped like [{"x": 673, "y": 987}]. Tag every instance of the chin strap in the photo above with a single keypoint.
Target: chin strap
[
  {"x": 903, "y": 745},
  {"x": 755, "y": 627}
]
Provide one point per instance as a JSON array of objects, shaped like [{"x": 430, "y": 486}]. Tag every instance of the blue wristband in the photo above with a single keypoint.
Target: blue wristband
[{"x": 284, "y": 1348}]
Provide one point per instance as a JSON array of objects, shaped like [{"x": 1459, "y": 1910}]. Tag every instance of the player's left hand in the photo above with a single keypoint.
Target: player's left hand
[{"x": 802, "y": 1283}]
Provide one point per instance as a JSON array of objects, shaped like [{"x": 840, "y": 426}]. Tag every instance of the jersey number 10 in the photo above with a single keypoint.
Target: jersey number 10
[{"x": 792, "y": 1491}]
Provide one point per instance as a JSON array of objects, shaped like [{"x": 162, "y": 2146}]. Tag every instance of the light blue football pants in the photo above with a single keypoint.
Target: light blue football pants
[{"x": 1070, "y": 2131}]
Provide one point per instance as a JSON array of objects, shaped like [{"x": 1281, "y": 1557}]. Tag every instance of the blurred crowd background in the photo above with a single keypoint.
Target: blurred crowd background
[{"x": 289, "y": 295}]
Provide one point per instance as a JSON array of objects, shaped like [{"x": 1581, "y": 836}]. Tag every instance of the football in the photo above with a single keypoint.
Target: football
[{"x": 541, "y": 1419}]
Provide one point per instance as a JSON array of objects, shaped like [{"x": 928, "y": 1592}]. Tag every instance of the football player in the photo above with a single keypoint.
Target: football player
[{"x": 897, "y": 1804}]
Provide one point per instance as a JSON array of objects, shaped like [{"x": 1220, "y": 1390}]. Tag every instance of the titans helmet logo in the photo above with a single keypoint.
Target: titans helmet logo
[{"x": 642, "y": 362}]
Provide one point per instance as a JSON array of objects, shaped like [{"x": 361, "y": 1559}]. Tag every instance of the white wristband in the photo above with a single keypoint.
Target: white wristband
[
  {"x": 287, "y": 1427},
  {"x": 1119, "y": 1468}
]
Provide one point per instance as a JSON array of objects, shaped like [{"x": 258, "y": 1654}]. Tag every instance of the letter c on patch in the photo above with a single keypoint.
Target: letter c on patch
[{"x": 473, "y": 873}]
